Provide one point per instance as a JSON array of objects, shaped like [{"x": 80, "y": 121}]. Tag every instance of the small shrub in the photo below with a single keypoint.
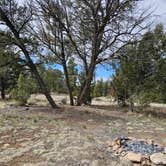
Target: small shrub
[
  {"x": 145, "y": 98},
  {"x": 23, "y": 90}
]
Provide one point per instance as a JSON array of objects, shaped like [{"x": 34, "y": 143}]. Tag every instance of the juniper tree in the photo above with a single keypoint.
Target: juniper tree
[
  {"x": 15, "y": 18},
  {"x": 97, "y": 31}
]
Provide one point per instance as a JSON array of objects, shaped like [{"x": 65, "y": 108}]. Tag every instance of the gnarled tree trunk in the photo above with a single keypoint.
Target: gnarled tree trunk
[{"x": 85, "y": 89}]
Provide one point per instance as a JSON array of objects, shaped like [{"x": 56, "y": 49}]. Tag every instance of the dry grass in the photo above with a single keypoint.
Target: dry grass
[{"x": 40, "y": 99}]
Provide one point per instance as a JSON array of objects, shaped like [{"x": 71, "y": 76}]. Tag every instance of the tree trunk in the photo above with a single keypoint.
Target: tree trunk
[
  {"x": 68, "y": 84},
  {"x": 38, "y": 78},
  {"x": 2, "y": 88},
  {"x": 85, "y": 90},
  {"x": 30, "y": 63},
  {"x": 131, "y": 104}
]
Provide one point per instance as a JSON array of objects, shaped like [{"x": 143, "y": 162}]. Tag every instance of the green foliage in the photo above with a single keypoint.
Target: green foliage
[
  {"x": 73, "y": 75},
  {"x": 101, "y": 88},
  {"x": 98, "y": 88},
  {"x": 25, "y": 87},
  {"x": 120, "y": 83},
  {"x": 54, "y": 80},
  {"x": 10, "y": 67},
  {"x": 141, "y": 71}
]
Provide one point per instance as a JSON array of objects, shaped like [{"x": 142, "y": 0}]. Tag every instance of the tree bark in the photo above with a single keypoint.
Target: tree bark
[
  {"x": 30, "y": 63},
  {"x": 85, "y": 90},
  {"x": 37, "y": 76},
  {"x": 68, "y": 84},
  {"x": 131, "y": 104},
  {"x": 2, "y": 88}
]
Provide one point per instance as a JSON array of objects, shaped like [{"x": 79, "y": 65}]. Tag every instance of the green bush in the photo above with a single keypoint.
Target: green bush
[
  {"x": 146, "y": 97},
  {"x": 13, "y": 93},
  {"x": 23, "y": 90}
]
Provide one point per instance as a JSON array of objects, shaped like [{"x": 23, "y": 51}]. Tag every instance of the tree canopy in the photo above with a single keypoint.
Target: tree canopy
[
  {"x": 142, "y": 68},
  {"x": 77, "y": 35}
]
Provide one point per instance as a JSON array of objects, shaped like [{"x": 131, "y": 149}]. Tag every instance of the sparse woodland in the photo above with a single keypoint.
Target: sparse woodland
[
  {"x": 78, "y": 36},
  {"x": 58, "y": 106}
]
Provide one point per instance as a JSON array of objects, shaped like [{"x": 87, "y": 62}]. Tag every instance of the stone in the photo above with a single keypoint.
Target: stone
[
  {"x": 134, "y": 157},
  {"x": 118, "y": 142},
  {"x": 146, "y": 163},
  {"x": 165, "y": 150},
  {"x": 150, "y": 141},
  {"x": 130, "y": 128},
  {"x": 85, "y": 161},
  {"x": 159, "y": 129},
  {"x": 129, "y": 123},
  {"x": 6, "y": 146},
  {"x": 95, "y": 163},
  {"x": 90, "y": 120},
  {"x": 158, "y": 158},
  {"x": 136, "y": 164},
  {"x": 123, "y": 153}
]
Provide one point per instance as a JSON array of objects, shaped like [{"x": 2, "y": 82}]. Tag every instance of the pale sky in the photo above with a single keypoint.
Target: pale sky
[{"x": 158, "y": 5}]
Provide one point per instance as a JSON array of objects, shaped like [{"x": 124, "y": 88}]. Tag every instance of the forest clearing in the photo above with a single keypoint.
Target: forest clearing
[
  {"x": 82, "y": 83},
  {"x": 40, "y": 136}
]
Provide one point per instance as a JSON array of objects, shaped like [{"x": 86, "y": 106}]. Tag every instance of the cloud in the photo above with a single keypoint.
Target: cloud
[{"x": 159, "y": 7}]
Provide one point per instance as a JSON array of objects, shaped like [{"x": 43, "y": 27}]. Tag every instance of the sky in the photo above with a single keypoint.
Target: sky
[
  {"x": 159, "y": 16},
  {"x": 159, "y": 8}
]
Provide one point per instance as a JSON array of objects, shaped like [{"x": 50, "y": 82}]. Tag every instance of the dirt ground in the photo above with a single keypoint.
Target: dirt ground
[{"x": 71, "y": 136}]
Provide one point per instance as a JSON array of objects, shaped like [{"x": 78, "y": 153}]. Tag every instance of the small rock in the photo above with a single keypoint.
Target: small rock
[
  {"x": 146, "y": 163},
  {"x": 150, "y": 141},
  {"x": 134, "y": 157},
  {"x": 116, "y": 154},
  {"x": 159, "y": 129},
  {"x": 136, "y": 164},
  {"x": 109, "y": 149},
  {"x": 95, "y": 163},
  {"x": 90, "y": 120},
  {"x": 123, "y": 154},
  {"x": 165, "y": 150},
  {"x": 130, "y": 128},
  {"x": 158, "y": 158},
  {"x": 85, "y": 161},
  {"x": 129, "y": 123},
  {"x": 6, "y": 146}
]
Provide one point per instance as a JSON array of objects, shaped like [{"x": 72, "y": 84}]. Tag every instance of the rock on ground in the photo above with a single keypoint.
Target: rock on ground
[{"x": 158, "y": 158}]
